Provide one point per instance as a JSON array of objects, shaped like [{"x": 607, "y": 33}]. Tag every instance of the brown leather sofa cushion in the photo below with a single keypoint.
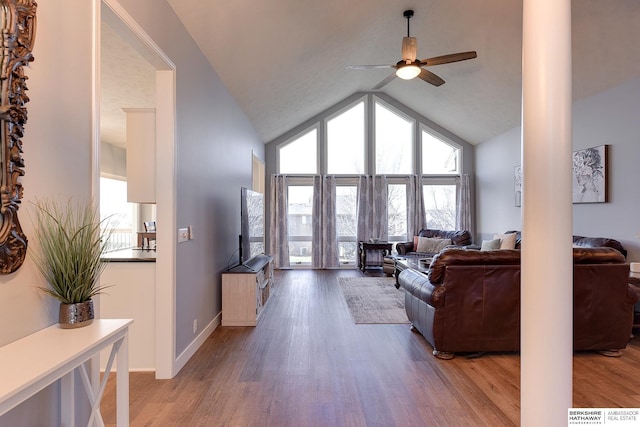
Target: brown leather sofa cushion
[
  {"x": 597, "y": 255},
  {"x": 585, "y": 242},
  {"x": 454, "y": 256}
]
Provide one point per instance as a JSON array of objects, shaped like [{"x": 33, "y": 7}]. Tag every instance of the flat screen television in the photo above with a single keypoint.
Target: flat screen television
[{"x": 252, "y": 224}]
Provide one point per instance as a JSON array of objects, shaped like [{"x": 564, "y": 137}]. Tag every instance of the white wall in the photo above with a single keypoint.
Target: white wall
[
  {"x": 609, "y": 117},
  {"x": 57, "y": 152}
]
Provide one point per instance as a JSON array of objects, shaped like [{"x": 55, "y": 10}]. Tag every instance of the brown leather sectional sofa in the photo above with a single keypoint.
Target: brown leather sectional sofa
[{"x": 470, "y": 300}]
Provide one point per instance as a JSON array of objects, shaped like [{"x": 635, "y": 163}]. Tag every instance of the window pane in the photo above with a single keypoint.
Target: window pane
[
  {"x": 438, "y": 157},
  {"x": 397, "y": 212},
  {"x": 300, "y": 155},
  {"x": 394, "y": 142},
  {"x": 299, "y": 211},
  {"x": 346, "y": 224},
  {"x": 345, "y": 142},
  {"x": 114, "y": 205},
  {"x": 440, "y": 206}
]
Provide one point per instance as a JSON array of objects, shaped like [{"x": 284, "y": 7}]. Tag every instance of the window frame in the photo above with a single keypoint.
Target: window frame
[{"x": 300, "y": 182}]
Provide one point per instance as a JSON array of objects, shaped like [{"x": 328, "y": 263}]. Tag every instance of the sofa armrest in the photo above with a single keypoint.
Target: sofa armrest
[
  {"x": 418, "y": 285},
  {"x": 404, "y": 247},
  {"x": 633, "y": 294}
]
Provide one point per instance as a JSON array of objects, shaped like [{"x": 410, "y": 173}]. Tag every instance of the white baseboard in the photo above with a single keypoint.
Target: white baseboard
[{"x": 191, "y": 349}]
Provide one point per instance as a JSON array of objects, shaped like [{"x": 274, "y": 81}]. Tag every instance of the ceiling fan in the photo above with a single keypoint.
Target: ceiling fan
[{"x": 409, "y": 67}]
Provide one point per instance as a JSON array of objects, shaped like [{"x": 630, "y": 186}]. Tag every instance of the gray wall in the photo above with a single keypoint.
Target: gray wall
[
  {"x": 214, "y": 144},
  {"x": 610, "y": 117}
]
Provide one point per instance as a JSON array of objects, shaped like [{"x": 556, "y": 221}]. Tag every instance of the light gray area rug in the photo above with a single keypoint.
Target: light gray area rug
[{"x": 374, "y": 299}]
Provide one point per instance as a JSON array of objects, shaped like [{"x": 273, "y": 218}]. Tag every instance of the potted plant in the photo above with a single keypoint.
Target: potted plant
[{"x": 70, "y": 257}]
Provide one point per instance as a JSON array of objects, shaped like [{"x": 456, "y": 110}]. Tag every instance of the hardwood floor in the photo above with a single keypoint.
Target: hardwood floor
[{"x": 308, "y": 364}]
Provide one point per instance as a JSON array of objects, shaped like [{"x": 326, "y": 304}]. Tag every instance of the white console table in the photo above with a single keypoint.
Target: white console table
[{"x": 31, "y": 363}]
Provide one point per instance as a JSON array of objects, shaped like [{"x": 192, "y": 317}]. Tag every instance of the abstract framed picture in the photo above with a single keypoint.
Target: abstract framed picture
[
  {"x": 590, "y": 175},
  {"x": 517, "y": 184}
]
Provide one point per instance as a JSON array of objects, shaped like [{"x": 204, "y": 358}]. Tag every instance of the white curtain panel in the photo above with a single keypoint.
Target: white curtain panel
[
  {"x": 380, "y": 203},
  {"x": 364, "y": 217},
  {"x": 316, "y": 223},
  {"x": 463, "y": 215},
  {"x": 372, "y": 207},
  {"x": 330, "y": 250},
  {"x": 415, "y": 207},
  {"x": 279, "y": 242}
]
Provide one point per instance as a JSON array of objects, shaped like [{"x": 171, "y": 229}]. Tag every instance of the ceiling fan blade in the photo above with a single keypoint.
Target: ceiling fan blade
[
  {"x": 452, "y": 57},
  {"x": 384, "y": 82},
  {"x": 368, "y": 67},
  {"x": 429, "y": 77}
]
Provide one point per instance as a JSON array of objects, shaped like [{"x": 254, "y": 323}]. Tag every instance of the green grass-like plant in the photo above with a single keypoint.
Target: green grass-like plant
[{"x": 71, "y": 248}]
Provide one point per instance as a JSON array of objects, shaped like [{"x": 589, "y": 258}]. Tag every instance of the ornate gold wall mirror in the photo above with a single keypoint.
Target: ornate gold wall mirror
[{"x": 18, "y": 20}]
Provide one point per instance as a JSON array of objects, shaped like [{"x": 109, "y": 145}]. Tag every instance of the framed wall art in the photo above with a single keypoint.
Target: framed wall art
[
  {"x": 590, "y": 175},
  {"x": 517, "y": 184}
]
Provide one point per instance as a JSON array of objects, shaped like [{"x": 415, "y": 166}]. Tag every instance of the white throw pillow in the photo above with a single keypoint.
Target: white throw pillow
[
  {"x": 507, "y": 241},
  {"x": 431, "y": 245},
  {"x": 490, "y": 245}
]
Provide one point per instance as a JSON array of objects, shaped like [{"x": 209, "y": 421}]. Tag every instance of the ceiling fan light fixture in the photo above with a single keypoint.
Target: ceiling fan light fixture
[{"x": 408, "y": 71}]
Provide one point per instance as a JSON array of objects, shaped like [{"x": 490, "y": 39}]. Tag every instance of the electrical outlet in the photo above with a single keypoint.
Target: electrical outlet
[
  {"x": 183, "y": 235},
  {"x": 195, "y": 325}
]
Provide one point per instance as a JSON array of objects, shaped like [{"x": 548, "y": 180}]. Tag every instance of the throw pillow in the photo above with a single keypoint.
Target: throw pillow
[
  {"x": 507, "y": 241},
  {"x": 431, "y": 246},
  {"x": 490, "y": 245}
]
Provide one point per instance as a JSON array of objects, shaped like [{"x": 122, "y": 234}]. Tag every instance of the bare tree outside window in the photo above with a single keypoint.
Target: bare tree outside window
[
  {"x": 346, "y": 141},
  {"x": 346, "y": 222},
  {"x": 397, "y": 212},
  {"x": 394, "y": 142},
  {"x": 299, "y": 221},
  {"x": 440, "y": 206}
]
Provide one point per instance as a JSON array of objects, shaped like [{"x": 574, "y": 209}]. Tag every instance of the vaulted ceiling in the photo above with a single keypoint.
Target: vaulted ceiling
[{"x": 285, "y": 60}]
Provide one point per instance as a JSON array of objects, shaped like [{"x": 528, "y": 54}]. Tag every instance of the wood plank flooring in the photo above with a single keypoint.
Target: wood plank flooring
[{"x": 308, "y": 364}]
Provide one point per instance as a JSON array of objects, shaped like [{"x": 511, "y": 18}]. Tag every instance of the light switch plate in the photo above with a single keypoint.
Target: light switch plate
[
  {"x": 191, "y": 233},
  {"x": 183, "y": 235}
]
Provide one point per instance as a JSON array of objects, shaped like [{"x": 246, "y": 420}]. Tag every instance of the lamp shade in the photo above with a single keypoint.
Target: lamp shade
[{"x": 408, "y": 71}]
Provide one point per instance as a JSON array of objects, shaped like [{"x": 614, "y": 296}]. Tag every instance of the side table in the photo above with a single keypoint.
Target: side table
[{"x": 384, "y": 248}]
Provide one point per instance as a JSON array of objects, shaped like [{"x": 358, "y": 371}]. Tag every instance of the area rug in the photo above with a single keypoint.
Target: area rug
[{"x": 374, "y": 299}]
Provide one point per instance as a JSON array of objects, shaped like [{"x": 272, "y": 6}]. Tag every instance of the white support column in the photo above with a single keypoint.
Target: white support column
[{"x": 547, "y": 269}]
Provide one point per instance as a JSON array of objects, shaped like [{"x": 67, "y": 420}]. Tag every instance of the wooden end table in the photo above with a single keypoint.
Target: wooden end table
[{"x": 363, "y": 247}]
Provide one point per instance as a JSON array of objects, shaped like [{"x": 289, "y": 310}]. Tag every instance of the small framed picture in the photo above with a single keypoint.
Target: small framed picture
[
  {"x": 589, "y": 171},
  {"x": 517, "y": 185}
]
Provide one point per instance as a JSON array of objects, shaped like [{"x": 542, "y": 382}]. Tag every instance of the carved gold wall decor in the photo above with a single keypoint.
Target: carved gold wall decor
[{"x": 18, "y": 20}]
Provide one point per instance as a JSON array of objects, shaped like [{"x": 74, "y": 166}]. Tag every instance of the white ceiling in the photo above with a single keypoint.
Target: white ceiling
[
  {"x": 284, "y": 60},
  {"x": 127, "y": 80}
]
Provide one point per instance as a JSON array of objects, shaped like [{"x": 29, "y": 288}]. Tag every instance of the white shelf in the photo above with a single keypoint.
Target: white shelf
[{"x": 31, "y": 363}]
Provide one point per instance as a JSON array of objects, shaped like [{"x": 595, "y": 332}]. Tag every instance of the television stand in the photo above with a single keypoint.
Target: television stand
[{"x": 246, "y": 289}]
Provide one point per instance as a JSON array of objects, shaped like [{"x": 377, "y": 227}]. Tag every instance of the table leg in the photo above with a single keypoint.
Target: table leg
[{"x": 122, "y": 386}]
